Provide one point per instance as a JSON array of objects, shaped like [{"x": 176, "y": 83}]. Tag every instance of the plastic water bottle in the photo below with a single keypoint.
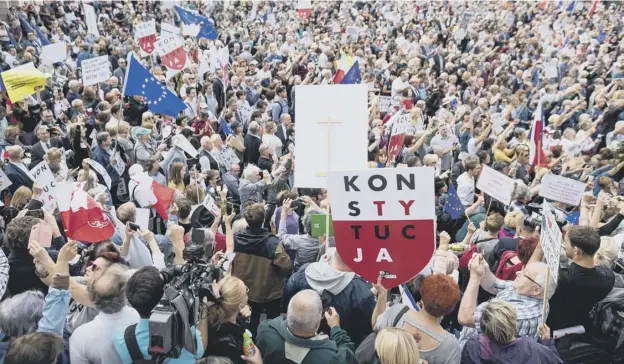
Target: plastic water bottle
[{"x": 249, "y": 348}]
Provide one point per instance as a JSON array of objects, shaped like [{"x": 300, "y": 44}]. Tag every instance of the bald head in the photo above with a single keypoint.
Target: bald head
[
  {"x": 15, "y": 153},
  {"x": 107, "y": 292},
  {"x": 304, "y": 313}
]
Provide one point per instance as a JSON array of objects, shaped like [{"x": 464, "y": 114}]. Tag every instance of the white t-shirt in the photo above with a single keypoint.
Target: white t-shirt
[
  {"x": 472, "y": 147},
  {"x": 398, "y": 85},
  {"x": 261, "y": 74}
]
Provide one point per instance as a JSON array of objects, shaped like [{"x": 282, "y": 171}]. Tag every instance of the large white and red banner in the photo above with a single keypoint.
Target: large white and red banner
[
  {"x": 171, "y": 50},
  {"x": 146, "y": 34},
  {"x": 384, "y": 221}
]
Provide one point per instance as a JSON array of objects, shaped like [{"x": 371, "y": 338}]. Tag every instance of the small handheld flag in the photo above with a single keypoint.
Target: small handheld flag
[{"x": 453, "y": 204}]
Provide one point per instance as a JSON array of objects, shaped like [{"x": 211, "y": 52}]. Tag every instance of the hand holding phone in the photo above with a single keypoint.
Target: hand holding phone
[
  {"x": 41, "y": 233},
  {"x": 134, "y": 227}
]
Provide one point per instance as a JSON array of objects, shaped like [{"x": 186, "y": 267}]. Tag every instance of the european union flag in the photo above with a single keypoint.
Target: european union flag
[
  {"x": 207, "y": 31},
  {"x": 12, "y": 38},
  {"x": 44, "y": 40},
  {"x": 140, "y": 82},
  {"x": 189, "y": 17},
  {"x": 353, "y": 75},
  {"x": 226, "y": 128},
  {"x": 453, "y": 204},
  {"x": 573, "y": 218},
  {"x": 25, "y": 25}
]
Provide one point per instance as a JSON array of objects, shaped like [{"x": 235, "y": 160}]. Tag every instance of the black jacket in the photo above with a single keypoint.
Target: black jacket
[
  {"x": 252, "y": 149},
  {"x": 37, "y": 152},
  {"x": 17, "y": 177}
]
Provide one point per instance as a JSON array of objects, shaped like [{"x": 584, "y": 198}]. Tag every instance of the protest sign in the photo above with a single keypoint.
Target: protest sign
[
  {"x": 29, "y": 65},
  {"x": 4, "y": 180},
  {"x": 354, "y": 32},
  {"x": 466, "y": 18},
  {"x": 377, "y": 224},
  {"x": 384, "y": 103},
  {"x": 551, "y": 240},
  {"x": 319, "y": 225},
  {"x": 245, "y": 111},
  {"x": 171, "y": 51},
  {"x": 101, "y": 171},
  {"x": 95, "y": 70},
  {"x": 551, "y": 69},
  {"x": 21, "y": 82},
  {"x": 146, "y": 34},
  {"x": 118, "y": 164},
  {"x": 304, "y": 9},
  {"x": 44, "y": 176},
  {"x": 397, "y": 135},
  {"x": 53, "y": 53},
  {"x": 339, "y": 126},
  {"x": 181, "y": 142},
  {"x": 496, "y": 184},
  {"x": 562, "y": 189},
  {"x": 211, "y": 205},
  {"x": 168, "y": 29},
  {"x": 142, "y": 218},
  {"x": 91, "y": 20}
]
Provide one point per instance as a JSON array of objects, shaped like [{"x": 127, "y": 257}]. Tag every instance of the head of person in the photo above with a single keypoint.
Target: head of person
[
  {"x": 443, "y": 130},
  {"x": 177, "y": 172},
  {"x": 47, "y": 116},
  {"x": 265, "y": 150},
  {"x": 254, "y": 214},
  {"x": 20, "y": 314},
  {"x": 525, "y": 249},
  {"x": 43, "y": 134},
  {"x": 74, "y": 86},
  {"x": 21, "y": 197},
  {"x": 122, "y": 63},
  {"x": 104, "y": 140},
  {"x": 16, "y": 153},
  {"x": 608, "y": 252},
  {"x": 473, "y": 167},
  {"x": 521, "y": 192},
  {"x": 439, "y": 295},
  {"x": 184, "y": 208},
  {"x": 213, "y": 178},
  {"x": 431, "y": 160},
  {"x": 54, "y": 158},
  {"x": 254, "y": 128},
  {"x": 144, "y": 290},
  {"x": 498, "y": 321},
  {"x": 35, "y": 348},
  {"x": 234, "y": 294},
  {"x": 17, "y": 233},
  {"x": 107, "y": 290},
  {"x": 234, "y": 169},
  {"x": 11, "y": 133},
  {"x": 493, "y": 223},
  {"x": 531, "y": 281},
  {"x": 381, "y": 156},
  {"x": 581, "y": 242},
  {"x": 251, "y": 173},
  {"x": 216, "y": 141},
  {"x": 396, "y": 346},
  {"x": 304, "y": 313}
]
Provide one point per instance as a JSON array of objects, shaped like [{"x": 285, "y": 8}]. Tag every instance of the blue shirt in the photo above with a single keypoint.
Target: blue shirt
[{"x": 142, "y": 334}]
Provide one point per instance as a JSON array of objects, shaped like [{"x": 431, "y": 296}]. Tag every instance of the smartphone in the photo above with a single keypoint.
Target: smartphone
[
  {"x": 198, "y": 236},
  {"x": 41, "y": 233},
  {"x": 36, "y": 213},
  {"x": 133, "y": 226}
]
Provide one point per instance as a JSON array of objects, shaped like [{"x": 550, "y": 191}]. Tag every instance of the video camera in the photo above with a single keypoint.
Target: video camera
[{"x": 186, "y": 286}]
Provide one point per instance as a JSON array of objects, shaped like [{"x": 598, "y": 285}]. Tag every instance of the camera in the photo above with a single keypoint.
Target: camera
[{"x": 186, "y": 286}]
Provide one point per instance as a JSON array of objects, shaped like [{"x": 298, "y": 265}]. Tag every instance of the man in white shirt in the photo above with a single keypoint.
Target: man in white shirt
[
  {"x": 265, "y": 72},
  {"x": 400, "y": 83},
  {"x": 466, "y": 182},
  {"x": 448, "y": 143},
  {"x": 92, "y": 343}
]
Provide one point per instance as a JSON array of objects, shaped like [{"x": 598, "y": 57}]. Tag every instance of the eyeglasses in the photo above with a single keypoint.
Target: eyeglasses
[
  {"x": 529, "y": 278},
  {"x": 94, "y": 267}
]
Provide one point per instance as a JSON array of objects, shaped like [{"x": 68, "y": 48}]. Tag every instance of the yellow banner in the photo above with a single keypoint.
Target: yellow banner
[{"x": 20, "y": 83}]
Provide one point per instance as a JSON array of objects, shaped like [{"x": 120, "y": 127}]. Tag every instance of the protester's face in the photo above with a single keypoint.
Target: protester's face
[
  {"x": 48, "y": 117},
  {"x": 122, "y": 63},
  {"x": 475, "y": 172},
  {"x": 95, "y": 269},
  {"x": 107, "y": 142},
  {"x": 43, "y": 135},
  {"x": 444, "y": 131},
  {"x": 525, "y": 282}
]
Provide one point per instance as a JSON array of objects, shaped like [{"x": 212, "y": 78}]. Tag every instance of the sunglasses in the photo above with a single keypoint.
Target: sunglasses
[{"x": 94, "y": 267}]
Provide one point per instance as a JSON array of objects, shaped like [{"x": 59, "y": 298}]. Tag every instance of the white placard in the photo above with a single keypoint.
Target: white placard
[
  {"x": 142, "y": 218},
  {"x": 91, "y": 20},
  {"x": 55, "y": 52},
  {"x": 190, "y": 29},
  {"x": 496, "y": 184},
  {"x": 181, "y": 142},
  {"x": 4, "y": 180},
  {"x": 384, "y": 103},
  {"x": 245, "y": 112},
  {"x": 345, "y": 115},
  {"x": 551, "y": 70},
  {"x": 168, "y": 29},
  {"x": 211, "y": 205},
  {"x": 119, "y": 164},
  {"x": 562, "y": 189},
  {"x": 354, "y": 32},
  {"x": 145, "y": 29},
  {"x": 95, "y": 70},
  {"x": 42, "y": 174},
  {"x": 99, "y": 169},
  {"x": 168, "y": 44},
  {"x": 551, "y": 240}
]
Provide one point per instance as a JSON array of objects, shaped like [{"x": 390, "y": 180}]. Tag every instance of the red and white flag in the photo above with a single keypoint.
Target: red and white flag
[
  {"x": 397, "y": 135},
  {"x": 146, "y": 34},
  {"x": 83, "y": 218},
  {"x": 223, "y": 57},
  {"x": 342, "y": 70},
  {"x": 592, "y": 8},
  {"x": 149, "y": 193},
  {"x": 536, "y": 135},
  {"x": 304, "y": 9},
  {"x": 171, "y": 50}
]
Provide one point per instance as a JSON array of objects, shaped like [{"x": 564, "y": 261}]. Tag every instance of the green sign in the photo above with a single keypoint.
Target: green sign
[{"x": 318, "y": 226}]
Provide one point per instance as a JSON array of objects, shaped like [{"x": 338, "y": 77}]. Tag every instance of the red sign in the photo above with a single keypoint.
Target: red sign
[
  {"x": 303, "y": 13},
  {"x": 147, "y": 43},
  {"x": 397, "y": 136},
  {"x": 384, "y": 221},
  {"x": 175, "y": 59}
]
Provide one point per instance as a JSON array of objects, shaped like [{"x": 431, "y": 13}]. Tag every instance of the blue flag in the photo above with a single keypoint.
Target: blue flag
[
  {"x": 453, "y": 204},
  {"x": 189, "y": 17},
  {"x": 140, "y": 82},
  {"x": 226, "y": 128},
  {"x": 573, "y": 218},
  {"x": 44, "y": 40},
  {"x": 353, "y": 75},
  {"x": 12, "y": 38},
  {"x": 572, "y": 6},
  {"x": 207, "y": 31},
  {"x": 25, "y": 25}
]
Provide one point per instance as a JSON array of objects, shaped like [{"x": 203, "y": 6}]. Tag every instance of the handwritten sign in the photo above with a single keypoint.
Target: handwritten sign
[
  {"x": 245, "y": 111},
  {"x": 551, "y": 240},
  {"x": 562, "y": 189},
  {"x": 384, "y": 103},
  {"x": 119, "y": 164},
  {"x": 44, "y": 176},
  {"x": 181, "y": 142},
  {"x": 95, "y": 70},
  {"x": 496, "y": 184}
]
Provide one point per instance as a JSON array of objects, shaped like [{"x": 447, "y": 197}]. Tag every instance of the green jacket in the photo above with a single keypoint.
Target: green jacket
[{"x": 278, "y": 345}]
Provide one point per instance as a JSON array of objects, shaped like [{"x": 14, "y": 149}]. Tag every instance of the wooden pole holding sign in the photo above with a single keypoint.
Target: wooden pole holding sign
[{"x": 545, "y": 295}]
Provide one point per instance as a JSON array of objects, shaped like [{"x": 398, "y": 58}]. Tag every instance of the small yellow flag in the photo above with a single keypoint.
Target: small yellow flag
[{"x": 23, "y": 82}]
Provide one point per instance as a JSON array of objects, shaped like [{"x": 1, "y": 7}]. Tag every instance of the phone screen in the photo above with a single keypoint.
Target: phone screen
[
  {"x": 42, "y": 233},
  {"x": 133, "y": 226}
]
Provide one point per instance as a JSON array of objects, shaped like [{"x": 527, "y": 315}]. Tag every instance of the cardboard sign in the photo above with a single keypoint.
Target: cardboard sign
[
  {"x": 384, "y": 220},
  {"x": 496, "y": 184},
  {"x": 4, "y": 180},
  {"x": 384, "y": 103},
  {"x": 211, "y": 205},
  {"x": 319, "y": 226},
  {"x": 466, "y": 18},
  {"x": 181, "y": 142},
  {"x": 42, "y": 174},
  {"x": 354, "y": 32},
  {"x": 562, "y": 189},
  {"x": 53, "y": 53},
  {"x": 22, "y": 81},
  {"x": 335, "y": 134},
  {"x": 101, "y": 171},
  {"x": 551, "y": 70},
  {"x": 91, "y": 20},
  {"x": 551, "y": 240},
  {"x": 95, "y": 70}
]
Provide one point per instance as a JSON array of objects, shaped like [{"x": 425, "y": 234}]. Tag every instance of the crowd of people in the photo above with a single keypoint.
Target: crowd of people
[{"x": 471, "y": 77}]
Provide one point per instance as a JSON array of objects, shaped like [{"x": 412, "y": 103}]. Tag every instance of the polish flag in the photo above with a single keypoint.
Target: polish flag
[
  {"x": 592, "y": 8},
  {"x": 83, "y": 218},
  {"x": 536, "y": 151},
  {"x": 149, "y": 193},
  {"x": 342, "y": 69}
]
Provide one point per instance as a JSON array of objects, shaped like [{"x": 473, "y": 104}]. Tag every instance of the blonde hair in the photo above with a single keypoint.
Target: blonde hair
[
  {"x": 498, "y": 321},
  {"x": 510, "y": 218},
  {"x": 396, "y": 346},
  {"x": 234, "y": 294},
  {"x": 21, "y": 197},
  {"x": 54, "y": 154},
  {"x": 608, "y": 252},
  {"x": 269, "y": 127}
]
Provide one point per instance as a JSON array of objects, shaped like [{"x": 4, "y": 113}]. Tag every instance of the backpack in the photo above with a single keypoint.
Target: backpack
[
  {"x": 607, "y": 317},
  {"x": 133, "y": 347},
  {"x": 506, "y": 268},
  {"x": 365, "y": 352}
]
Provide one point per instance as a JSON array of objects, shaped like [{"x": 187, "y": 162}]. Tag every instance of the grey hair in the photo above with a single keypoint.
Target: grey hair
[
  {"x": 521, "y": 191},
  {"x": 239, "y": 225},
  {"x": 540, "y": 279},
  {"x": 20, "y": 314},
  {"x": 107, "y": 292},
  {"x": 249, "y": 171},
  {"x": 307, "y": 219},
  {"x": 304, "y": 312},
  {"x": 498, "y": 321},
  {"x": 254, "y": 127}
]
